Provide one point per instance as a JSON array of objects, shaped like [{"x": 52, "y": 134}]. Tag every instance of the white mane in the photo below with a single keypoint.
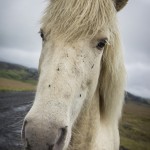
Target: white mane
[{"x": 78, "y": 19}]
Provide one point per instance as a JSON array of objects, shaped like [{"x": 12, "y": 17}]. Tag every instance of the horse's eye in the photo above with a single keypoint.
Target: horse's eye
[
  {"x": 42, "y": 34},
  {"x": 101, "y": 44}
]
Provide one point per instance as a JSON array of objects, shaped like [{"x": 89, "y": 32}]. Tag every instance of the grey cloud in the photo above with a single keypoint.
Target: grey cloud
[
  {"x": 138, "y": 79},
  {"x": 135, "y": 30},
  {"x": 20, "y": 24},
  {"x": 19, "y": 56}
]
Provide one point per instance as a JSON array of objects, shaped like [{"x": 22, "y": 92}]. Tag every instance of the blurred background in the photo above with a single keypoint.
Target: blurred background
[{"x": 20, "y": 47}]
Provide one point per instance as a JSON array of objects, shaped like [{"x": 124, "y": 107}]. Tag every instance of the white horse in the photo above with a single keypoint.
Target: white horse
[{"x": 80, "y": 91}]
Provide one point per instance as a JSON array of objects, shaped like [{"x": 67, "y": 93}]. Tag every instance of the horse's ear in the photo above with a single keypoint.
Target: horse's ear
[{"x": 119, "y": 4}]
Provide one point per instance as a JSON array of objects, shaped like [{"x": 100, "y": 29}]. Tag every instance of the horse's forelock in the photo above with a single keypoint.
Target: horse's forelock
[{"x": 71, "y": 20}]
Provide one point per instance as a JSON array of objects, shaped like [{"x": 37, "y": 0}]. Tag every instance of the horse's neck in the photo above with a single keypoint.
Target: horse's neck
[
  {"x": 85, "y": 130},
  {"x": 90, "y": 133}
]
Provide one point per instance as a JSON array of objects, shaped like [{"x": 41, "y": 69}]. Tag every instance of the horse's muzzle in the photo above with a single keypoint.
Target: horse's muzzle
[{"x": 39, "y": 137}]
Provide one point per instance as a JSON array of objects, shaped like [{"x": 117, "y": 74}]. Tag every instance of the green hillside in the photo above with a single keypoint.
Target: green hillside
[
  {"x": 17, "y": 77},
  {"x": 135, "y": 126},
  {"x": 14, "y": 85}
]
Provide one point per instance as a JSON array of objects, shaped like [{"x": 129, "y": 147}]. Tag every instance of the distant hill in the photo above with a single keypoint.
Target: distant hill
[
  {"x": 18, "y": 72},
  {"x": 134, "y": 98}
]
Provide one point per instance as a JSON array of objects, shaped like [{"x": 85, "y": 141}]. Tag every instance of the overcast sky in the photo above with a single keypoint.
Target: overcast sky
[{"x": 20, "y": 42}]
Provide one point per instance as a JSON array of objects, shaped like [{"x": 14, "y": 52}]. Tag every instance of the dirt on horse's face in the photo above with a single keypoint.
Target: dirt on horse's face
[{"x": 68, "y": 79}]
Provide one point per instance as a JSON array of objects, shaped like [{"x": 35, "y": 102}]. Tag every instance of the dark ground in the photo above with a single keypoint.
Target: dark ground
[{"x": 13, "y": 108}]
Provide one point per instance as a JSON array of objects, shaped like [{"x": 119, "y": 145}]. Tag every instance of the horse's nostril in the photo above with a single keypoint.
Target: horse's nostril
[
  {"x": 50, "y": 147},
  {"x": 23, "y": 129},
  {"x": 63, "y": 132},
  {"x": 28, "y": 146}
]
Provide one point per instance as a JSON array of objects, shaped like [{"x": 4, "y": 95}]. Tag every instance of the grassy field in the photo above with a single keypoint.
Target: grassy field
[
  {"x": 14, "y": 85},
  {"x": 135, "y": 126},
  {"x": 19, "y": 75}
]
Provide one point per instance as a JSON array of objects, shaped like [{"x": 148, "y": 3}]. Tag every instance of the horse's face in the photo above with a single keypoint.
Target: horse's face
[
  {"x": 69, "y": 76},
  {"x": 69, "y": 71}
]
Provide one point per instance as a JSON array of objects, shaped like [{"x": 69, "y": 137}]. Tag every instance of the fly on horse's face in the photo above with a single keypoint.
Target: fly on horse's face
[{"x": 68, "y": 81}]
